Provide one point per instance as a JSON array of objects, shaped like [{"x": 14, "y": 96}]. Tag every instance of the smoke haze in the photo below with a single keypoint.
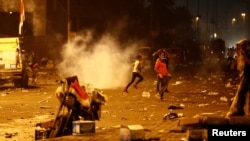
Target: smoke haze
[{"x": 103, "y": 64}]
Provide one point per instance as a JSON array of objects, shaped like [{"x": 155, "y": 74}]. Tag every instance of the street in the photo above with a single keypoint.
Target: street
[{"x": 198, "y": 94}]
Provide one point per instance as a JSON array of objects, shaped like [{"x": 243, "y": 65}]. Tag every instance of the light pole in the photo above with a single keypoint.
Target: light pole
[
  {"x": 197, "y": 20},
  {"x": 68, "y": 20}
]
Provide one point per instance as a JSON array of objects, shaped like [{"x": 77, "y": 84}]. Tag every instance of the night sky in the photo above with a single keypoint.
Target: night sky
[
  {"x": 222, "y": 12},
  {"x": 232, "y": 8}
]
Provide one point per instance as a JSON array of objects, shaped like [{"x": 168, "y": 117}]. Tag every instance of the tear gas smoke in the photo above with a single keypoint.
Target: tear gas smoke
[{"x": 103, "y": 65}]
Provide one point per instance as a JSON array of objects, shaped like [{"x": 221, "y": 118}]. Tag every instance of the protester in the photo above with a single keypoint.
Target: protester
[
  {"x": 33, "y": 63},
  {"x": 136, "y": 73},
  {"x": 18, "y": 57},
  {"x": 231, "y": 58},
  {"x": 155, "y": 56},
  {"x": 163, "y": 75},
  {"x": 243, "y": 53}
]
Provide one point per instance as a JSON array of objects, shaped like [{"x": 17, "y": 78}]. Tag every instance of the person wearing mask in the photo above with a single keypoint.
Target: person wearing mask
[
  {"x": 163, "y": 75},
  {"x": 155, "y": 56},
  {"x": 243, "y": 65},
  {"x": 136, "y": 73}
]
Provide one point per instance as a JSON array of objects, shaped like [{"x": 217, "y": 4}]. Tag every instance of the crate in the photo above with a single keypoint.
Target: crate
[{"x": 81, "y": 127}]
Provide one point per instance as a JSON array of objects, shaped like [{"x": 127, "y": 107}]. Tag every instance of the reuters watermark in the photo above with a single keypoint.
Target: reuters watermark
[{"x": 239, "y": 132}]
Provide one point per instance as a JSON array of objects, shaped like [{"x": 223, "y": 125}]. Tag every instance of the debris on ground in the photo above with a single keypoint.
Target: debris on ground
[
  {"x": 172, "y": 116},
  {"x": 173, "y": 107}
]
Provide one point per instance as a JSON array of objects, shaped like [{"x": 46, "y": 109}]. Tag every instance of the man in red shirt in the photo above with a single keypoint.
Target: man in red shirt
[
  {"x": 155, "y": 56},
  {"x": 163, "y": 74}
]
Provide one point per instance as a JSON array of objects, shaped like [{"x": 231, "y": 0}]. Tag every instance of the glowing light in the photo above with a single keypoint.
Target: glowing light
[
  {"x": 197, "y": 19},
  {"x": 233, "y": 20},
  {"x": 243, "y": 16},
  {"x": 215, "y": 35}
]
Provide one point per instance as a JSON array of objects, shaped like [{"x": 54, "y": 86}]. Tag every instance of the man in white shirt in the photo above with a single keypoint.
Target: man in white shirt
[{"x": 136, "y": 73}]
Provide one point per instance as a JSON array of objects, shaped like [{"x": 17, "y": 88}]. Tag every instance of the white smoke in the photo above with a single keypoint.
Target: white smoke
[{"x": 103, "y": 65}]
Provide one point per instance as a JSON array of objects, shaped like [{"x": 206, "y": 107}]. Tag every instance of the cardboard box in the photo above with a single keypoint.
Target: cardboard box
[
  {"x": 136, "y": 132},
  {"x": 81, "y": 127}
]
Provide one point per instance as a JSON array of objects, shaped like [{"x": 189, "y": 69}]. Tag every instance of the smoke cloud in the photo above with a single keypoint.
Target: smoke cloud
[{"x": 103, "y": 64}]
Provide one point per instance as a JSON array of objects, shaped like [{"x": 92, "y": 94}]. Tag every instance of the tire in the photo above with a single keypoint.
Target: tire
[
  {"x": 58, "y": 127},
  {"x": 2, "y": 82},
  {"x": 25, "y": 80},
  {"x": 17, "y": 83}
]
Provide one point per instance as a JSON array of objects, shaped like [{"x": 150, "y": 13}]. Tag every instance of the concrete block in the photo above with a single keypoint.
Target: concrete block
[
  {"x": 247, "y": 104},
  {"x": 212, "y": 120},
  {"x": 238, "y": 120},
  {"x": 189, "y": 121}
]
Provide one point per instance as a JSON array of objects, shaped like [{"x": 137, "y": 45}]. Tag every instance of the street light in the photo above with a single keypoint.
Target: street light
[
  {"x": 243, "y": 16},
  {"x": 233, "y": 21},
  {"x": 197, "y": 19},
  {"x": 197, "y": 26},
  {"x": 215, "y": 35}
]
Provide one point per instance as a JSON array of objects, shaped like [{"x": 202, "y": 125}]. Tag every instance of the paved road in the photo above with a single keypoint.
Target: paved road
[{"x": 198, "y": 93}]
